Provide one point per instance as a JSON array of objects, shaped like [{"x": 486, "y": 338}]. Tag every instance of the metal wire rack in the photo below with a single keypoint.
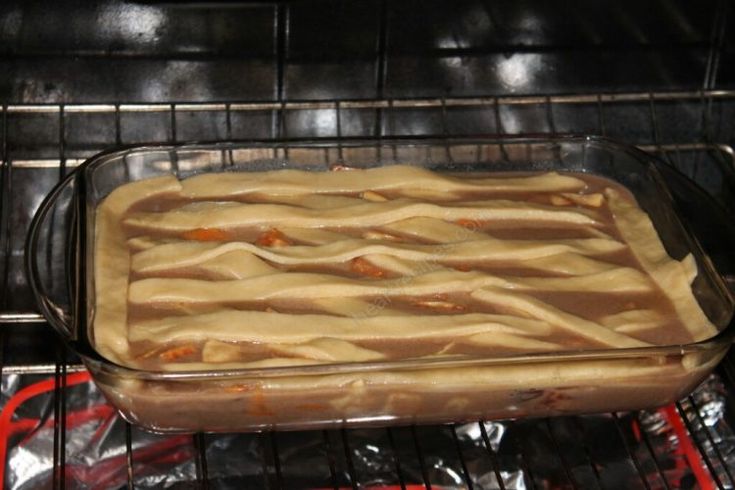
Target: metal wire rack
[{"x": 40, "y": 143}]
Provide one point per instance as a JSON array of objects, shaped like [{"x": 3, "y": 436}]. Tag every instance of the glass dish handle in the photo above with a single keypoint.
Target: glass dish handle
[{"x": 50, "y": 256}]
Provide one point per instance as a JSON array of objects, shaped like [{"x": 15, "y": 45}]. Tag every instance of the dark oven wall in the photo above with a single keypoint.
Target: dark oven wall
[
  {"x": 79, "y": 77},
  {"x": 82, "y": 52}
]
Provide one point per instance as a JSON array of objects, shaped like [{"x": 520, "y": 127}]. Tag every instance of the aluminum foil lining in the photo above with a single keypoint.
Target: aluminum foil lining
[{"x": 602, "y": 451}]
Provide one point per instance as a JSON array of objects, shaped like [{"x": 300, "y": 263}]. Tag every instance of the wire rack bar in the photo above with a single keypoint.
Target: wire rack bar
[
  {"x": 649, "y": 447},
  {"x": 493, "y": 457},
  {"x": 62, "y": 142},
  {"x": 420, "y": 456},
  {"x": 13, "y": 317},
  {"x": 656, "y": 133},
  {"x": 568, "y": 474},
  {"x": 59, "y": 442},
  {"x": 579, "y": 426},
  {"x": 129, "y": 456},
  {"x": 172, "y": 115},
  {"x": 200, "y": 446},
  {"x": 263, "y": 453},
  {"x": 381, "y": 66},
  {"x": 378, "y": 103},
  {"x": 280, "y": 43},
  {"x": 525, "y": 463},
  {"x": 270, "y": 459},
  {"x": 654, "y": 120},
  {"x": 5, "y": 202},
  {"x": 702, "y": 450},
  {"x": 396, "y": 459},
  {"x": 630, "y": 452},
  {"x": 348, "y": 457},
  {"x": 330, "y": 459},
  {"x": 716, "y": 44},
  {"x": 708, "y": 435},
  {"x": 466, "y": 476},
  {"x": 273, "y": 440}
]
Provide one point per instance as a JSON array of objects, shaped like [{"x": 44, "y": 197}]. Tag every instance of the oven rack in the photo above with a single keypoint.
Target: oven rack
[{"x": 693, "y": 131}]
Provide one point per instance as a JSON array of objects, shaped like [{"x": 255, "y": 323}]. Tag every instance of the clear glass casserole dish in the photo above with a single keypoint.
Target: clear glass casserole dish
[{"x": 457, "y": 388}]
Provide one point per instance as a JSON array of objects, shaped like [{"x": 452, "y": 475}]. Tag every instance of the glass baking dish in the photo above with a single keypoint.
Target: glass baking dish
[{"x": 453, "y": 389}]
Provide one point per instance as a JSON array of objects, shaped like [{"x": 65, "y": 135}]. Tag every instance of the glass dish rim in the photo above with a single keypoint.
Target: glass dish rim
[{"x": 86, "y": 350}]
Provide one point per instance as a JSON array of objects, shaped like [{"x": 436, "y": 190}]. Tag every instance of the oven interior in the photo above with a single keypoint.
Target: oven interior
[{"x": 78, "y": 78}]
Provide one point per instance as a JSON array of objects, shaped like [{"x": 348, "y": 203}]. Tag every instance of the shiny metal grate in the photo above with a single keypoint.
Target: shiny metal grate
[
  {"x": 699, "y": 144},
  {"x": 572, "y": 455}
]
